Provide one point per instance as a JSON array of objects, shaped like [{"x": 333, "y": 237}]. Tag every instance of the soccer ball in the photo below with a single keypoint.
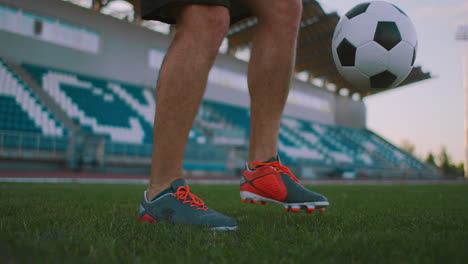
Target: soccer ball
[{"x": 374, "y": 46}]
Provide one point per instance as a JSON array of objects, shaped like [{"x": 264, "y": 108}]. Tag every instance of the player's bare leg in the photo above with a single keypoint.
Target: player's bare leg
[
  {"x": 181, "y": 84},
  {"x": 272, "y": 60},
  {"x": 270, "y": 69}
]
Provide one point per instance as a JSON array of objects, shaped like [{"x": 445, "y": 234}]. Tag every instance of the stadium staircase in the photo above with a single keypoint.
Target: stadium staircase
[{"x": 96, "y": 123}]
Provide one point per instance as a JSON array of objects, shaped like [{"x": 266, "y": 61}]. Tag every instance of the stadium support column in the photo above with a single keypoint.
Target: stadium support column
[{"x": 462, "y": 35}]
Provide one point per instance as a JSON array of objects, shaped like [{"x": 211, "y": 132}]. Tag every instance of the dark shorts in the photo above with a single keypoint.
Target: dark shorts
[{"x": 164, "y": 10}]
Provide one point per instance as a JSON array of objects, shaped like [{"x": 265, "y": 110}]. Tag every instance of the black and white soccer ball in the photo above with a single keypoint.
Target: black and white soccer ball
[{"x": 374, "y": 45}]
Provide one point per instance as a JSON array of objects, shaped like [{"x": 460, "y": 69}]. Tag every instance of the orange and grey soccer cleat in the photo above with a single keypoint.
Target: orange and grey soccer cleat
[
  {"x": 271, "y": 182},
  {"x": 179, "y": 205}
]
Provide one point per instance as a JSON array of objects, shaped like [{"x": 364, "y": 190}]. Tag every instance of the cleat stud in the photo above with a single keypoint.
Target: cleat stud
[
  {"x": 322, "y": 210},
  {"x": 310, "y": 210},
  {"x": 254, "y": 201},
  {"x": 295, "y": 210},
  {"x": 263, "y": 203},
  {"x": 244, "y": 200},
  {"x": 286, "y": 209}
]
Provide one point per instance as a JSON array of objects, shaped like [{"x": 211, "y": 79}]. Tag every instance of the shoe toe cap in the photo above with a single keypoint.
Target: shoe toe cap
[
  {"x": 317, "y": 197},
  {"x": 306, "y": 196},
  {"x": 217, "y": 220},
  {"x": 321, "y": 197}
]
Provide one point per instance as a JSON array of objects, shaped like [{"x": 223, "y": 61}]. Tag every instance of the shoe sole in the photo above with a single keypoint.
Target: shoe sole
[
  {"x": 309, "y": 207},
  {"x": 147, "y": 218},
  {"x": 224, "y": 228}
]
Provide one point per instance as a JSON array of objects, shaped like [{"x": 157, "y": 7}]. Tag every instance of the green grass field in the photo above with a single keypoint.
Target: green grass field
[{"x": 43, "y": 223}]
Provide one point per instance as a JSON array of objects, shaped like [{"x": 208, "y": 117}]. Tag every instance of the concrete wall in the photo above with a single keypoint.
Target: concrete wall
[
  {"x": 124, "y": 47},
  {"x": 123, "y": 56},
  {"x": 350, "y": 113}
]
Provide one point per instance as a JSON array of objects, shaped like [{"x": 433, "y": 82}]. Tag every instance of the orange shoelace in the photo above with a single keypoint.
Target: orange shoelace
[
  {"x": 183, "y": 193},
  {"x": 277, "y": 166}
]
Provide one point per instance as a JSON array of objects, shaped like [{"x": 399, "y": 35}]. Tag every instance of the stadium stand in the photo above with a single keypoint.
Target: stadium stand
[
  {"x": 115, "y": 121},
  {"x": 323, "y": 145},
  {"x": 84, "y": 98},
  {"x": 25, "y": 123}
]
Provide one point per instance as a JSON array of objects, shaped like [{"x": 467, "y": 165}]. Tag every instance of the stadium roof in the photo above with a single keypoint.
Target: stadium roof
[{"x": 314, "y": 54}]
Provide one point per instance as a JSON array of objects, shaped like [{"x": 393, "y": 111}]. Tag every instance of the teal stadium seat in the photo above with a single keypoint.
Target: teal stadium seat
[
  {"x": 100, "y": 106},
  {"x": 114, "y": 109},
  {"x": 21, "y": 112}
]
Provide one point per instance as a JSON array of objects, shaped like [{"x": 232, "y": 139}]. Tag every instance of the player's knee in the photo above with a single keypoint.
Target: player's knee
[
  {"x": 293, "y": 9},
  {"x": 216, "y": 25},
  {"x": 285, "y": 14},
  {"x": 208, "y": 24}
]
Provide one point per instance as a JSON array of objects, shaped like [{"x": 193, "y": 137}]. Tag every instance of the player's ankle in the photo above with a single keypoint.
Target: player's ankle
[
  {"x": 154, "y": 190},
  {"x": 262, "y": 158}
]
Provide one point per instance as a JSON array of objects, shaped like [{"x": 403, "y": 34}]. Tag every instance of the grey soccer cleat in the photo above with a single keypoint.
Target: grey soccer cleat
[{"x": 178, "y": 205}]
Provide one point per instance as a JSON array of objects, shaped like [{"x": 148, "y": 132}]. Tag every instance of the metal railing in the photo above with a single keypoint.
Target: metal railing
[
  {"x": 222, "y": 155},
  {"x": 15, "y": 144},
  {"x": 100, "y": 152}
]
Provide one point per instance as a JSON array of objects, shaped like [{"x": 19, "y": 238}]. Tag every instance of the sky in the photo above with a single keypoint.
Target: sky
[{"x": 429, "y": 113}]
